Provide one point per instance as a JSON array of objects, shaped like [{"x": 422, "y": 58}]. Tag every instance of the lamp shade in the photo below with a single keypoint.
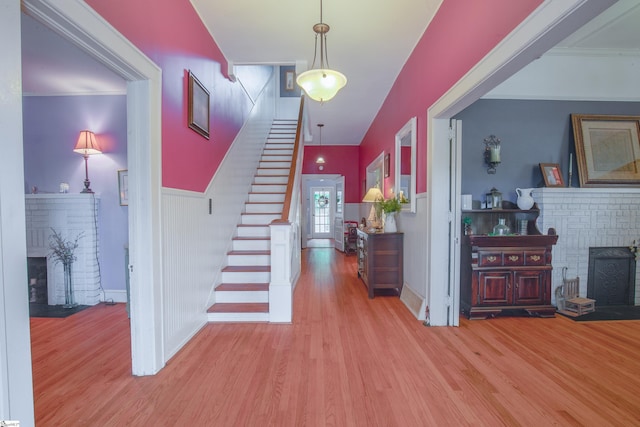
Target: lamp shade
[
  {"x": 87, "y": 144},
  {"x": 321, "y": 84},
  {"x": 373, "y": 195}
]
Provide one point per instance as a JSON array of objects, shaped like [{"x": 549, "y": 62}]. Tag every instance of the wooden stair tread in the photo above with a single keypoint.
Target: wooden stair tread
[
  {"x": 242, "y": 287},
  {"x": 223, "y": 307},
  {"x": 261, "y": 213},
  {"x": 247, "y": 269}
]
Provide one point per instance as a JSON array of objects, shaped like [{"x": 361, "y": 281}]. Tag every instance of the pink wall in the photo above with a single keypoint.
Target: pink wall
[
  {"x": 461, "y": 33},
  {"x": 339, "y": 159},
  {"x": 172, "y": 35}
]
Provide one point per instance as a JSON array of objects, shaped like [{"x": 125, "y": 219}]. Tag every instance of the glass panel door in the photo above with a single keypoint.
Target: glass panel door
[{"x": 322, "y": 201}]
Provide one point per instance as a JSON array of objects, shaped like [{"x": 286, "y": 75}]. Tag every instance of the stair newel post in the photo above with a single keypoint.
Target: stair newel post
[{"x": 281, "y": 286}]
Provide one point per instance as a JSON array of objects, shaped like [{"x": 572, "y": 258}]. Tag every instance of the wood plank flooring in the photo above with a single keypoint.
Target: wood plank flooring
[{"x": 345, "y": 361}]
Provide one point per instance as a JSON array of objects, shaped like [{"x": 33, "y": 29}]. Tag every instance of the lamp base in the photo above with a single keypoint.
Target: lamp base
[{"x": 87, "y": 187}]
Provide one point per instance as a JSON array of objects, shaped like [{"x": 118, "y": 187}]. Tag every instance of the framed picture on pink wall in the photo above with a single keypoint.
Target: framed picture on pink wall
[
  {"x": 387, "y": 164},
  {"x": 198, "y": 106}
]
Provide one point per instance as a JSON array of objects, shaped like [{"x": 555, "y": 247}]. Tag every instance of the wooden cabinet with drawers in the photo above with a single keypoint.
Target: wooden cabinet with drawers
[
  {"x": 502, "y": 274},
  {"x": 380, "y": 258}
]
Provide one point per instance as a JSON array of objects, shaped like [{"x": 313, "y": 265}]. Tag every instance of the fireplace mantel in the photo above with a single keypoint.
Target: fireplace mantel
[
  {"x": 70, "y": 215},
  {"x": 585, "y": 218}
]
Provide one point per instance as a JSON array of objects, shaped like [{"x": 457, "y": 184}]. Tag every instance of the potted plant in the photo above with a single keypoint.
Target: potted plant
[{"x": 390, "y": 207}]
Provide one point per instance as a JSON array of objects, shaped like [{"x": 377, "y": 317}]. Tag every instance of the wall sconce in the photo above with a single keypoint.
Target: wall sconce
[
  {"x": 492, "y": 153},
  {"x": 87, "y": 145}
]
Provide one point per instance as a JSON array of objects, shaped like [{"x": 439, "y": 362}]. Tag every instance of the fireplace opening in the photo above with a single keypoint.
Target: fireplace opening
[
  {"x": 37, "y": 274},
  {"x": 612, "y": 273}
]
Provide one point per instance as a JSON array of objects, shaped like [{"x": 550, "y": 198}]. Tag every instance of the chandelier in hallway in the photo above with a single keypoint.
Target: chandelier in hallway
[{"x": 321, "y": 84}]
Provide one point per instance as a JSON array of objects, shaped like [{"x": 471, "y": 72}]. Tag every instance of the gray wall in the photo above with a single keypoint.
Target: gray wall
[{"x": 531, "y": 132}]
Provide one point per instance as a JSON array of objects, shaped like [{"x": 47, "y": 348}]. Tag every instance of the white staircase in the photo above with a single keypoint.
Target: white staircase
[{"x": 243, "y": 294}]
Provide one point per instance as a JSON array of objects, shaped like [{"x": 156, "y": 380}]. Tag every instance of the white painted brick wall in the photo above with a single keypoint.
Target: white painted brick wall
[
  {"x": 69, "y": 214},
  {"x": 584, "y": 218}
]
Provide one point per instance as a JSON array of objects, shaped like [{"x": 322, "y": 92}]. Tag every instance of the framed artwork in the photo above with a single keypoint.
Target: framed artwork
[
  {"x": 289, "y": 82},
  {"x": 123, "y": 187},
  {"x": 198, "y": 108},
  {"x": 551, "y": 174},
  {"x": 288, "y": 86},
  {"x": 607, "y": 150},
  {"x": 387, "y": 164}
]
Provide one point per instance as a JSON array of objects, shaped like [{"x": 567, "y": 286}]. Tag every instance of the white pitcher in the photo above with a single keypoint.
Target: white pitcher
[{"x": 525, "y": 200}]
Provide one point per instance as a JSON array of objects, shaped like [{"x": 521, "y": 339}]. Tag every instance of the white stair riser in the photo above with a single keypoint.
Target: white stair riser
[
  {"x": 278, "y": 152},
  {"x": 267, "y": 197},
  {"x": 261, "y": 219},
  {"x": 280, "y": 146},
  {"x": 235, "y": 259},
  {"x": 274, "y": 171},
  {"x": 271, "y": 164},
  {"x": 238, "y": 317},
  {"x": 242, "y": 296},
  {"x": 267, "y": 208},
  {"x": 269, "y": 188},
  {"x": 251, "y": 245},
  {"x": 262, "y": 231},
  {"x": 279, "y": 157},
  {"x": 246, "y": 277},
  {"x": 266, "y": 179}
]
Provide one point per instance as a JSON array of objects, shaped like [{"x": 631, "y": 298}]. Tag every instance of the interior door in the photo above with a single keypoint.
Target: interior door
[
  {"x": 455, "y": 230},
  {"x": 321, "y": 212},
  {"x": 338, "y": 226}
]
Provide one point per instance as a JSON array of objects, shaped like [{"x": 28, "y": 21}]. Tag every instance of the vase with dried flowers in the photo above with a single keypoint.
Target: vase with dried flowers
[{"x": 63, "y": 251}]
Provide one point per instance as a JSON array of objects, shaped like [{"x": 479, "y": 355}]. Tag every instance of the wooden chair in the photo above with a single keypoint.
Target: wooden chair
[
  {"x": 570, "y": 302},
  {"x": 350, "y": 237}
]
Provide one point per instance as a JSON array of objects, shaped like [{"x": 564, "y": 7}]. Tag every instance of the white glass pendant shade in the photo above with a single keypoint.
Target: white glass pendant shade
[
  {"x": 320, "y": 160},
  {"x": 321, "y": 84}
]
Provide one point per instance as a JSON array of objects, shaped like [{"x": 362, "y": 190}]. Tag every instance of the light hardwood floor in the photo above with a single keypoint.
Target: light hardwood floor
[{"x": 345, "y": 361}]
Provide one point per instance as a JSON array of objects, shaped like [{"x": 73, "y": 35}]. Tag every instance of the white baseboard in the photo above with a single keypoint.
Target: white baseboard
[
  {"x": 115, "y": 295},
  {"x": 414, "y": 302}
]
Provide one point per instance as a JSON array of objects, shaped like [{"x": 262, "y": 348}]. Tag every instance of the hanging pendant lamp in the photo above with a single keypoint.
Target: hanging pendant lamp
[
  {"x": 320, "y": 159},
  {"x": 321, "y": 84}
]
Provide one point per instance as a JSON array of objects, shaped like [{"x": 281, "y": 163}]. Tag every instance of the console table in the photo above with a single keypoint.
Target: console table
[{"x": 380, "y": 257}]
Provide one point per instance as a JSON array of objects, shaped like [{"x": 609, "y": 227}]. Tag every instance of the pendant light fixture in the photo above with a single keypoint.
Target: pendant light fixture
[
  {"x": 320, "y": 159},
  {"x": 321, "y": 84}
]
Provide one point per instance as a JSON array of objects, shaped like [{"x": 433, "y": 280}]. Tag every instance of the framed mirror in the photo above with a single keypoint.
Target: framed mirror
[
  {"x": 406, "y": 166},
  {"x": 375, "y": 174}
]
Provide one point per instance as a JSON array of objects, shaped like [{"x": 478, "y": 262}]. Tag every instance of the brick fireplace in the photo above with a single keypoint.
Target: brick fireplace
[
  {"x": 586, "y": 218},
  {"x": 69, "y": 214}
]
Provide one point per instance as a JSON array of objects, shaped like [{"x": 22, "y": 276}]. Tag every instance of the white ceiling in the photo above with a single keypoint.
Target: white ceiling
[{"x": 369, "y": 42}]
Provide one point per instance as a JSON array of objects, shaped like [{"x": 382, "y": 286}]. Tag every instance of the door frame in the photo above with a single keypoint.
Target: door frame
[
  {"x": 77, "y": 22},
  {"x": 550, "y": 23}
]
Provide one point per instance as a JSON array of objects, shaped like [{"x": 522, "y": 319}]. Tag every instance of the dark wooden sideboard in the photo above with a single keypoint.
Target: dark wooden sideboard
[
  {"x": 509, "y": 273},
  {"x": 380, "y": 258}
]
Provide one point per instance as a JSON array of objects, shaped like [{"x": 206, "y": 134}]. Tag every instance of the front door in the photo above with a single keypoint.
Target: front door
[{"x": 321, "y": 212}]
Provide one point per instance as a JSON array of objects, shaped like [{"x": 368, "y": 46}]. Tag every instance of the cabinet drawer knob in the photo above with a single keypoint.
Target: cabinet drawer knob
[
  {"x": 513, "y": 257},
  {"x": 535, "y": 257},
  {"x": 491, "y": 258}
]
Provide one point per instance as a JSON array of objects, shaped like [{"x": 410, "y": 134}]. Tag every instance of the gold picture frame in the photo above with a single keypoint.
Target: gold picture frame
[
  {"x": 607, "y": 150},
  {"x": 198, "y": 106},
  {"x": 552, "y": 174}
]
